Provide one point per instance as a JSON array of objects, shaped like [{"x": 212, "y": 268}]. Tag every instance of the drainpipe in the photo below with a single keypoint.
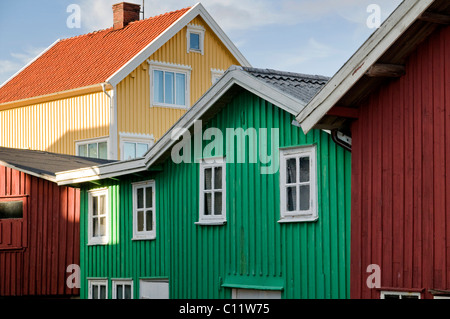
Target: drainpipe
[
  {"x": 112, "y": 145},
  {"x": 342, "y": 140}
]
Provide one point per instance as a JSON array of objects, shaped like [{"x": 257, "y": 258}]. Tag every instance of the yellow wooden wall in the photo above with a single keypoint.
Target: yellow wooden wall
[
  {"x": 133, "y": 94},
  {"x": 54, "y": 126}
]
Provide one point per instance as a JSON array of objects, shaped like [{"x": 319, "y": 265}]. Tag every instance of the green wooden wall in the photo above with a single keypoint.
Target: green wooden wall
[{"x": 308, "y": 259}]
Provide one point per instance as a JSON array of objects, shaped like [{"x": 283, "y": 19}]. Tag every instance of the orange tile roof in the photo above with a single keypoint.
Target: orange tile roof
[{"x": 86, "y": 59}]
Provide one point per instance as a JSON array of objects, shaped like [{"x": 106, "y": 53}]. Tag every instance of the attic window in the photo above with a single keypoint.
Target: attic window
[{"x": 195, "y": 39}]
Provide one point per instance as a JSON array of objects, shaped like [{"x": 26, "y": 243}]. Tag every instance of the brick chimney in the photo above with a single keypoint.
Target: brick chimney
[{"x": 124, "y": 13}]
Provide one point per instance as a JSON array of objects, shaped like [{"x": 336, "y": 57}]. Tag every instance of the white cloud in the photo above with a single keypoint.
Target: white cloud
[{"x": 8, "y": 67}]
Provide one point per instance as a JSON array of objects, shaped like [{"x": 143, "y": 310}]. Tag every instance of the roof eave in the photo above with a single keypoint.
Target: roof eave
[{"x": 353, "y": 70}]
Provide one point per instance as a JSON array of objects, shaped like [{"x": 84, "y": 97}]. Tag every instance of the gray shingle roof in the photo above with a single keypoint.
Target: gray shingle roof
[
  {"x": 44, "y": 164},
  {"x": 298, "y": 85}
]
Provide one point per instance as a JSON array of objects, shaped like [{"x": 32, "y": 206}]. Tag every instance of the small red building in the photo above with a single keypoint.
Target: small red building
[
  {"x": 39, "y": 223},
  {"x": 391, "y": 101}
]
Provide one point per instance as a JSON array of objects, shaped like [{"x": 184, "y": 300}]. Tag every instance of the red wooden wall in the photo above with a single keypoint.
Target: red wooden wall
[
  {"x": 34, "y": 258},
  {"x": 401, "y": 177}
]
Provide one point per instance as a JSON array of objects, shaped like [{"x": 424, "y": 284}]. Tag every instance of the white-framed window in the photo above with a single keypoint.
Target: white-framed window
[
  {"x": 144, "y": 217},
  {"x": 122, "y": 289},
  {"x": 195, "y": 38},
  {"x": 212, "y": 191},
  {"x": 384, "y": 294},
  {"x": 98, "y": 288},
  {"x": 170, "y": 85},
  {"x": 298, "y": 184},
  {"x": 134, "y": 145},
  {"x": 216, "y": 75},
  {"x": 153, "y": 289},
  {"x": 94, "y": 148},
  {"x": 98, "y": 212}
]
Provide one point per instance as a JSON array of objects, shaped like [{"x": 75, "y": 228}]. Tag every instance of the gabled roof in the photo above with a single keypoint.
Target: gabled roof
[
  {"x": 282, "y": 89},
  {"x": 388, "y": 47},
  {"x": 44, "y": 164},
  {"x": 105, "y": 56}
]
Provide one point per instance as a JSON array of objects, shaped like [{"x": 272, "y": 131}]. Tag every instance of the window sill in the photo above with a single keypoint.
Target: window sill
[
  {"x": 97, "y": 243},
  {"x": 171, "y": 106},
  {"x": 152, "y": 237},
  {"x": 298, "y": 219},
  {"x": 211, "y": 222}
]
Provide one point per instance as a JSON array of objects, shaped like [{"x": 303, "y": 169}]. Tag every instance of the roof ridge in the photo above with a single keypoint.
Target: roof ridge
[
  {"x": 133, "y": 22},
  {"x": 287, "y": 73}
]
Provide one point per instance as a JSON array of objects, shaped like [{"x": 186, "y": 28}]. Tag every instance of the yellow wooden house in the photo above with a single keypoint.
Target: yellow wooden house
[{"x": 114, "y": 92}]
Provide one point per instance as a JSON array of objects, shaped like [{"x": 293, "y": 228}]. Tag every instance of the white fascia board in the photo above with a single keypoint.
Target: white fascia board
[
  {"x": 368, "y": 54},
  {"x": 43, "y": 176},
  {"x": 100, "y": 172},
  {"x": 171, "y": 31},
  {"x": 29, "y": 63}
]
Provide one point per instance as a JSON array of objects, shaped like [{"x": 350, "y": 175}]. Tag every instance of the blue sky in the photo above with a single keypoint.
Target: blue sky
[{"x": 305, "y": 36}]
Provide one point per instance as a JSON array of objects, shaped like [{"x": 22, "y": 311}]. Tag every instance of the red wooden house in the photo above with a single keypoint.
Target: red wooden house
[
  {"x": 391, "y": 103},
  {"x": 39, "y": 223}
]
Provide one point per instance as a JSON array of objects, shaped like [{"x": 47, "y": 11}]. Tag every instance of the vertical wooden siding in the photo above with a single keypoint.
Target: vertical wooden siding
[
  {"x": 400, "y": 177},
  {"x": 51, "y": 239},
  {"x": 55, "y": 126},
  {"x": 134, "y": 112},
  {"x": 311, "y": 259}
]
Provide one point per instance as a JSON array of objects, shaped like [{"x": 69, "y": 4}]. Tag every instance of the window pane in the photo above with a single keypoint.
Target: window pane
[
  {"x": 195, "y": 41},
  {"x": 391, "y": 297},
  {"x": 304, "y": 197},
  {"x": 169, "y": 84},
  {"x": 102, "y": 226},
  {"x": 208, "y": 172},
  {"x": 102, "y": 292},
  {"x": 140, "y": 221},
  {"x": 95, "y": 226},
  {"x": 94, "y": 292},
  {"x": 158, "y": 92},
  {"x": 148, "y": 197},
  {"x": 92, "y": 150},
  {"x": 410, "y": 297},
  {"x": 140, "y": 198},
  {"x": 82, "y": 150},
  {"x": 103, "y": 150},
  {"x": 94, "y": 206},
  {"x": 218, "y": 178},
  {"x": 13, "y": 209},
  {"x": 148, "y": 220},
  {"x": 119, "y": 292},
  {"x": 218, "y": 203},
  {"x": 304, "y": 169},
  {"x": 208, "y": 204},
  {"x": 129, "y": 151},
  {"x": 141, "y": 149},
  {"x": 291, "y": 169},
  {"x": 291, "y": 199},
  {"x": 181, "y": 89},
  {"x": 102, "y": 202},
  {"x": 127, "y": 291}
]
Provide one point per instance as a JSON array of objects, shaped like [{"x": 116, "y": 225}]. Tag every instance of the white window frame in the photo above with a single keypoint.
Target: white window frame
[
  {"x": 98, "y": 282},
  {"x": 216, "y": 75},
  {"x": 100, "y": 240},
  {"x": 97, "y": 140},
  {"x": 144, "y": 235},
  {"x": 134, "y": 138},
  {"x": 196, "y": 29},
  {"x": 298, "y": 215},
  {"x": 121, "y": 281},
  {"x": 212, "y": 219},
  {"x": 169, "y": 67},
  {"x": 399, "y": 293}
]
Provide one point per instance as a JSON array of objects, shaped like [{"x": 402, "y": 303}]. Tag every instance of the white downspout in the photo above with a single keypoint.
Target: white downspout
[{"x": 113, "y": 134}]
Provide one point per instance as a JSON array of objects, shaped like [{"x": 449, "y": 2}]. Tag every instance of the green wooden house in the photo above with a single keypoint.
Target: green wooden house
[{"x": 234, "y": 201}]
